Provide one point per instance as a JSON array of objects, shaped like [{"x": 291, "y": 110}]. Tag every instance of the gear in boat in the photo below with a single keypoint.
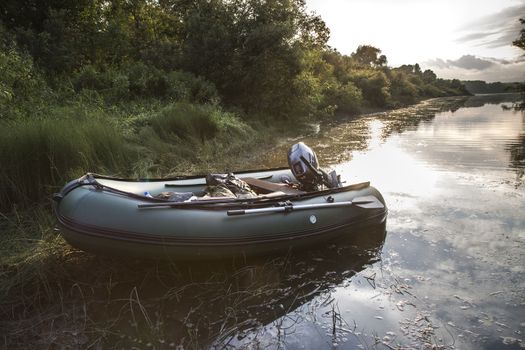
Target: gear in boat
[{"x": 303, "y": 164}]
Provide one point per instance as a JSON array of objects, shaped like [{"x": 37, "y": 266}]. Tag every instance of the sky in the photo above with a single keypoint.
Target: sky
[{"x": 464, "y": 39}]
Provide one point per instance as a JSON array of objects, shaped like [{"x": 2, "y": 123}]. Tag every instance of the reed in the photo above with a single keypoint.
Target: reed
[{"x": 38, "y": 156}]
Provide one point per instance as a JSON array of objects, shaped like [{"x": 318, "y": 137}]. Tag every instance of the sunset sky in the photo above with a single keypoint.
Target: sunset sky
[{"x": 465, "y": 39}]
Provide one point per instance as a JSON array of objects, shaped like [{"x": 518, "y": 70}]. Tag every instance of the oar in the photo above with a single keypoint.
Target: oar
[{"x": 368, "y": 202}]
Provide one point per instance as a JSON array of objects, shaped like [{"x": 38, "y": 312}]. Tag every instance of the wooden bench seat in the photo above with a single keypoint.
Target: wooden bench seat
[{"x": 267, "y": 186}]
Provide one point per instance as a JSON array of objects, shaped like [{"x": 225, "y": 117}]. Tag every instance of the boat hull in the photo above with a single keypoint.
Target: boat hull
[{"x": 111, "y": 223}]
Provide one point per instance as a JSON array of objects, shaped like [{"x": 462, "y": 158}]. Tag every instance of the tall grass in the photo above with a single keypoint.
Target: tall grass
[
  {"x": 39, "y": 155},
  {"x": 184, "y": 138},
  {"x": 186, "y": 121}
]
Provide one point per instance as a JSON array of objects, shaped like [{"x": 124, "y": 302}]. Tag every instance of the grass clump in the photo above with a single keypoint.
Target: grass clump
[
  {"x": 39, "y": 154},
  {"x": 186, "y": 121},
  {"x": 183, "y": 138}
]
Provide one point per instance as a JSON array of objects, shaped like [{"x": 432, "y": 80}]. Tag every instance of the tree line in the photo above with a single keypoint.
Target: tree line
[
  {"x": 261, "y": 59},
  {"x": 482, "y": 87}
]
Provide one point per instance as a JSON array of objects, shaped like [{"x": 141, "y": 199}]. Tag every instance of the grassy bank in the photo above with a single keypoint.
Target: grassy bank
[
  {"x": 40, "y": 155},
  {"x": 52, "y": 295}
]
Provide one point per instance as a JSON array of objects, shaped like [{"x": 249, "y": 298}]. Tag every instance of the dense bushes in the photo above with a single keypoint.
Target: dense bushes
[
  {"x": 344, "y": 98},
  {"x": 261, "y": 58},
  {"x": 136, "y": 81},
  {"x": 23, "y": 90},
  {"x": 375, "y": 86}
]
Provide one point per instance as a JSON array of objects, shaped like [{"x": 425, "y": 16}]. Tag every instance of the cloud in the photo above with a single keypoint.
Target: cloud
[
  {"x": 472, "y": 62},
  {"x": 496, "y": 30},
  {"x": 465, "y": 62},
  {"x": 470, "y": 67}
]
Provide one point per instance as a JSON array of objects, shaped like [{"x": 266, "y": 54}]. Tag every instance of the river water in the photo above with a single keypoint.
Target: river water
[
  {"x": 448, "y": 271},
  {"x": 451, "y": 270}
]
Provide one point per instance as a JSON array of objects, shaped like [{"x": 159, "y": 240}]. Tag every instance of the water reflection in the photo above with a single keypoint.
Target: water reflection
[
  {"x": 495, "y": 99},
  {"x": 517, "y": 154},
  {"x": 451, "y": 171}
]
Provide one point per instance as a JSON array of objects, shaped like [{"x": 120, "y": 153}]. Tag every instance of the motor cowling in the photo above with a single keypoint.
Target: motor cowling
[{"x": 304, "y": 165}]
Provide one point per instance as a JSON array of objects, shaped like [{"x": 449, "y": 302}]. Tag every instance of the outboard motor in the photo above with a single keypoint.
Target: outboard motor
[{"x": 305, "y": 167}]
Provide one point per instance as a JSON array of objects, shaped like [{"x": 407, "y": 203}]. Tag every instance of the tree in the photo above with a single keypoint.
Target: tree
[
  {"x": 367, "y": 55},
  {"x": 417, "y": 69},
  {"x": 253, "y": 51},
  {"x": 429, "y": 76},
  {"x": 402, "y": 90},
  {"x": 520, "y": 42}
]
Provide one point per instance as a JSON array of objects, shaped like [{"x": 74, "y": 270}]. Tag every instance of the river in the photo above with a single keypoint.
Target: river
[
  {"x": 448, "y": 272},
  {"x": 451, "y": 270}
]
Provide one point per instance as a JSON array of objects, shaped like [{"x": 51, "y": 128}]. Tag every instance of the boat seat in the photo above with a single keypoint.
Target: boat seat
[{"x": 268, "y": 186}]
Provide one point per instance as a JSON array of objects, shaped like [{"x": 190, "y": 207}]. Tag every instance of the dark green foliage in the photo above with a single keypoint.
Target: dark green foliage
[
  {"x": 374, "y": 84},
  {"x": 403, "y": 90},
  {"x": 367, "y": 56},
  {"x": 409, "y": 84},
  {"x": 266, "y": 58},
  {"x": 137, "y": 81},
  {"x": 251, "y": 51},
  {"x": 23, "y": 90},
  {"x": 186, "y": 86},
  {"x": 429, "y": 76},
  {"x": 346, "y": 98}
]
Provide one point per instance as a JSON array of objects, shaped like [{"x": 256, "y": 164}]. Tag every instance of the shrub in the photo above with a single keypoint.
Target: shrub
[
  {"x": 402, "y": 89},
  {"x": 374, "y": 84},
  {"x": 430, "y": 90},
  {"x": 137, "y": 81},
  {"x": 184, "y": 86},
  {"x": 23, "y": 91},
  {"x": 146, "y": 81},
  {"x": 345, "y": 98},
  {"x": 90, "y": 78}
]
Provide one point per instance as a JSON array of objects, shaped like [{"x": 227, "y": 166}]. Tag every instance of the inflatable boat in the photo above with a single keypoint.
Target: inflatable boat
[{"x": 109, "y": 215}]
